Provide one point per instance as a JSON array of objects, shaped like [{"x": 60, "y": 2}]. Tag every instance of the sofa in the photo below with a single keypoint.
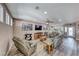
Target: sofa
[
  {"x": 57, "y": 40},
  {"x": 24, "y": 47}
]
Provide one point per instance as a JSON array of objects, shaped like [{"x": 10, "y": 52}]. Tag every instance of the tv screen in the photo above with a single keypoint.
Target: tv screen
[{"x": 38, "y": 27}]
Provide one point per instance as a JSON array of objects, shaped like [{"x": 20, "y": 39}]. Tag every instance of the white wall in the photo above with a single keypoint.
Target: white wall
[
  {"x": 6, "y": 35},
  {"x": 77, "y": 30},
  {"x": 18, "y": 29}
]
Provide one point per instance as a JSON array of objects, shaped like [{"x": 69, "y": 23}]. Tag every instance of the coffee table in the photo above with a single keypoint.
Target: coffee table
[{"x": 49, "y": 45}]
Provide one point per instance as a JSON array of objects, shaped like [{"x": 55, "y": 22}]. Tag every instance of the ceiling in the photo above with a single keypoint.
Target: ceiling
[{"x": 59, "y": 13}]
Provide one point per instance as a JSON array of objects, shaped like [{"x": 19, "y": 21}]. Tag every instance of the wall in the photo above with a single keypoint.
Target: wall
[
  {"x": 18, "y": 29},
  {"x": 67, "y": 26},
  {"x": 77, "y": 30},
  {"x": 6, "y": 36}
]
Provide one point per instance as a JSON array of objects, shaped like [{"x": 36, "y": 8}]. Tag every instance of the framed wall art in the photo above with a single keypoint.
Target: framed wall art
[{"x": 27, "y": 27}]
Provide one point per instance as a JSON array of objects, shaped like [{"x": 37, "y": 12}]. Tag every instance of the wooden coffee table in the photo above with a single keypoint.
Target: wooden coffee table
[{"x": 49, "y": 46}]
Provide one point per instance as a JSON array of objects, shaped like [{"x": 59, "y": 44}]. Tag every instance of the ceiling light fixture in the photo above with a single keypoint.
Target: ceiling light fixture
[
  {"x": 47, "y": 23},
  {"x": 45, "y": 12},
  {"x": 60, "y": 20}
]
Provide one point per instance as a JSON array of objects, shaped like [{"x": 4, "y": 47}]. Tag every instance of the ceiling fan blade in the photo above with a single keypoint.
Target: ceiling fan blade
[{"x": 49, "y": 21}]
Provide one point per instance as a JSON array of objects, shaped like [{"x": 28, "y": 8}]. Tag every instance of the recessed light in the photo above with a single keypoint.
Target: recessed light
[
  {"x": 60, "y": 20},
  {"x": 46, "y": 23},
  {"x": 45, "y": 12}
]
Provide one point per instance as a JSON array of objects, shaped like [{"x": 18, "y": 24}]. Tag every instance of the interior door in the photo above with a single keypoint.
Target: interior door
[{"x": 71, "y": 31}]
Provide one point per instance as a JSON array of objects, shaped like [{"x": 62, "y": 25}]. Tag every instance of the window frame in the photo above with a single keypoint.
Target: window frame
[
  {"x": 7, "y": 18},
  {"x": 1, "y": 14}
]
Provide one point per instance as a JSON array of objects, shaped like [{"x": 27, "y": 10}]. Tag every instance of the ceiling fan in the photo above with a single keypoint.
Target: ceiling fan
[{"x": 49, "y": 21}]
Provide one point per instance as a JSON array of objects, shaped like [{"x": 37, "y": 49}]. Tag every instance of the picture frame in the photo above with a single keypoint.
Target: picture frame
[{"x": 27, "y": 27}]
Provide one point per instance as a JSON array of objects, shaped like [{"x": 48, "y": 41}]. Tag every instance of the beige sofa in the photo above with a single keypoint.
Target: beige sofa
[{"x": 24, "y": 47}]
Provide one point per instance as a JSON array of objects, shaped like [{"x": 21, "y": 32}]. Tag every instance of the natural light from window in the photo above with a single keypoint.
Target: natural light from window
[{"x": 1, "y": 13}]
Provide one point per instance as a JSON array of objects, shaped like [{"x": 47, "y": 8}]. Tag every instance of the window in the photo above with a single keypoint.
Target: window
[
  {"x": 7, "y": 18},
  {"x": 65, "y": 29},
  {"x": 1, "y": 13},
  {"x": 11, "y": 22}
]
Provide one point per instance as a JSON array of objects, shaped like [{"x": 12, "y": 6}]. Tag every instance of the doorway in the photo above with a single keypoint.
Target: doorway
[{"x": 71, "y": 31}]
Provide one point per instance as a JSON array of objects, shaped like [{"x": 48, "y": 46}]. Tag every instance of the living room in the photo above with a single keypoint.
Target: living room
[{"x": 39, "y": 29}]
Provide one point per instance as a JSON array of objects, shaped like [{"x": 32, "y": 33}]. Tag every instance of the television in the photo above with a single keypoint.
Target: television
[{"x": 38, "y": 27}]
